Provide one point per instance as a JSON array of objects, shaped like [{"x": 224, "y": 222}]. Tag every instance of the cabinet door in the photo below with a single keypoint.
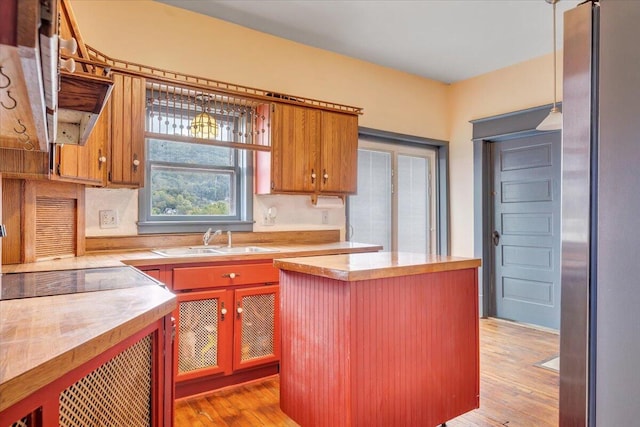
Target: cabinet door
[
  {"x": 127, "y": 131},
  {"x": 339, "y": 153},
  {"x": 257, "y": 326},
  {"x": 295, "y": 139},
  {"x": 86, "y": 164},
  {"x": 204, "y": 327}
]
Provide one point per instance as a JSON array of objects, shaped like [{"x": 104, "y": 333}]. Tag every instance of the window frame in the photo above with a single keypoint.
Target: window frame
[
  {"x": 241, "y": 221},
  {"x": 441, "y": 175}
]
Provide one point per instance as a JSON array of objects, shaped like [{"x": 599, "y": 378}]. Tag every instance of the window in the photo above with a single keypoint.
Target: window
[
  {"x": 399, "y": 188},
  {"x": 198, "y": 172}
]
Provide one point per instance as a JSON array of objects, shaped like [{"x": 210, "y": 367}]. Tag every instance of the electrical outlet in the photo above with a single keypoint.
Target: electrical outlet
[
  {"x": 108, "y": 218},
  {"x": 325, "y": 217}
]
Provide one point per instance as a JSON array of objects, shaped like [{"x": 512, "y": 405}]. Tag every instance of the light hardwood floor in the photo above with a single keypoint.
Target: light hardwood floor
[{"x": 514, "y": 392}]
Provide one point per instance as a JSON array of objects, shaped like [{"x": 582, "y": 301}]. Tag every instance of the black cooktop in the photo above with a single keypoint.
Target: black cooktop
[{"x": 63, "y": 282}]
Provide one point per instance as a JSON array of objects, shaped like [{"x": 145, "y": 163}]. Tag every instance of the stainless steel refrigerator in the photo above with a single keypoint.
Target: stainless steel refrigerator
[{"x": 600, "y": 320}]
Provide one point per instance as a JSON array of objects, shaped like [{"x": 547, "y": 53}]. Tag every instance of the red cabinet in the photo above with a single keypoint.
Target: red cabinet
[
  {"x": 222, "y": 331},
  {"x": 394, "y": 351},
  {"x": 227, "y": 322},
  {"x": 132, "y": 374}
]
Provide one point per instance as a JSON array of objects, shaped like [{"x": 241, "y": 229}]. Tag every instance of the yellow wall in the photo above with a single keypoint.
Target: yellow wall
[
  {"x": 165, "y": 37},
  {"x": 521, "y": 86},
  {"x": 158, "y": 35}
]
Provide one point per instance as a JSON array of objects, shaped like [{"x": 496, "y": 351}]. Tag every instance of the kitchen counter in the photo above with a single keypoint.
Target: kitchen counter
[
  {"x": 147, "y": 257},
  {"x": 46, "y": 337},
  {"x": 387, "y": 339},
  {"x": 349, "y": 267}
]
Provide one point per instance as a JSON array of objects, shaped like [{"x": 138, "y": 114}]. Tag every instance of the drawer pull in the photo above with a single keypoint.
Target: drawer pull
[
  {"x": 230, "y": 275},
  {"x": 239, "y": 310}
]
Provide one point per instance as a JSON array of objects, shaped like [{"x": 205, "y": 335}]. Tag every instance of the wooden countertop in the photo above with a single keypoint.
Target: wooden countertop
[
  {"x": 146, "y": 257},
  {"x": 43, "y": 338},
  {"x": 377, "y": 265}
]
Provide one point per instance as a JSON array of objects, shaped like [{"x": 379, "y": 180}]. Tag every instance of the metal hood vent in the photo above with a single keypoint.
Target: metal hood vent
[
  {"x": 85, "y": 86},
  {"x": 81, "y": 99}
]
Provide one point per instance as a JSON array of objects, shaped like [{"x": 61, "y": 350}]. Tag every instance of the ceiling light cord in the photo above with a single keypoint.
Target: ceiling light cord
[
  {"x": 553, "y": 121},
  {"x": 554, "y": 57}
]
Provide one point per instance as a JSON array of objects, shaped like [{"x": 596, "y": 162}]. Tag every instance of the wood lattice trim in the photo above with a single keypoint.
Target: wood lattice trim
[
  {"x": 202, "y": 83},
  {"x": 118, "y": 393}
]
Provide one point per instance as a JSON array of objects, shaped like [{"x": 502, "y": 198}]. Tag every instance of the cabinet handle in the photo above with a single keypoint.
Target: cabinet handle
[
  {"x": 223, "y": 312},
  {"x": 135, "y": 162},
  {"x": 325, "y": 176},
  {"x": 239, "y": 310},
  {"x": 230, "y": 275},
  {"x": 313, "y": 176},
  {"x": 101, "y": 159}
]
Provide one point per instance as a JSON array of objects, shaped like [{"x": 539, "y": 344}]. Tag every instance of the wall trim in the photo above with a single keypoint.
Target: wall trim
[{"x": 486, "y": 131}]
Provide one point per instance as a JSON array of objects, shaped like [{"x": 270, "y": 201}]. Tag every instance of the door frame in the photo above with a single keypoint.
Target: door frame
[
  {"x": 441, "y": 175},
  {"x": 487, "y": 131}
]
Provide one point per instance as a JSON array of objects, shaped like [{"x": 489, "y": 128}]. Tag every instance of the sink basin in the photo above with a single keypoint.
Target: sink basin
[
  {"x": 210, "y": 250},
  {"x": 243, "y": 249},
  {"x": 186, "y": 251}
]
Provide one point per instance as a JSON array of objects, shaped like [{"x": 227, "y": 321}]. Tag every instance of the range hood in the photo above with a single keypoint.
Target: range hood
[
  {"x": 81, "y": 99},
  {"x": 83, "y": 87}
]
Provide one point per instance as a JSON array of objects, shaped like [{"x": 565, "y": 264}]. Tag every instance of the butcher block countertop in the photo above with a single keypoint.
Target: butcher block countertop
[
  {"x": 147, "y": 257},
  {"x": 378, "y": 265},
  {"x": 43, "y": 338}
]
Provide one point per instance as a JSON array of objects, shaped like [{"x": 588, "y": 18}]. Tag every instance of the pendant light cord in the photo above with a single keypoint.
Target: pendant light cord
[{"x": 554, "y": 56}]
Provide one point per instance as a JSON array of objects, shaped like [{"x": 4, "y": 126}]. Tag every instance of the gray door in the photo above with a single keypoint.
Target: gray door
[{"x": 526, "y": 236}]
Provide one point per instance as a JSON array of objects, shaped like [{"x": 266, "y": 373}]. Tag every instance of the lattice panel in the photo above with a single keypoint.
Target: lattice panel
[
  {"x": 118, "y": 393},
  {"x": 24, "y": 422},
  {"x": 257, "y": 326},
  {"x": 198, "y": 339},
  {"x": 206, "y": 116}
]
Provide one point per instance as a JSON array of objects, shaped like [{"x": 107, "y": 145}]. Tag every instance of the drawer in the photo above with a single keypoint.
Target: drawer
[{"x": 214, "y": 276}]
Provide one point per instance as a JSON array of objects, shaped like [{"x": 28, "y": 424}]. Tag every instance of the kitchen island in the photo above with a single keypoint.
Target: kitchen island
[{"x": 380, "y": 339}]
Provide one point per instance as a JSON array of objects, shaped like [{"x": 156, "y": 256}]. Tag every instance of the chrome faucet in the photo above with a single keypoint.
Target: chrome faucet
[
  {"x": 229, "y": 238},
  {"x": 207, "y": 236}
]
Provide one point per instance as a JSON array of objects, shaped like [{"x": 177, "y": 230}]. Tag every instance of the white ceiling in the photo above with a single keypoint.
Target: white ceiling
[{"x": 445, "y": 40}]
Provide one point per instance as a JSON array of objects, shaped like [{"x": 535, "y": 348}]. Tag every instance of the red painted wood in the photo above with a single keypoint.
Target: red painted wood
[
  {"x": 218, "y": 275},
  {"x": 389, "y": 352},
  {"x": 225, "y": 332},
  {"x": 238, "y": 363},
  {"x": 47, "y": 397},
  {"x": 204, "y": 385}
]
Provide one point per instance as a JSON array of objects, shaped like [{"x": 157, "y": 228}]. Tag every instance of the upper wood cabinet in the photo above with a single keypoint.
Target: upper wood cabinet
[
  {"x": 312, "y": 152},
  {"x": 295, "y": 144},
  {"x": 86, "y": 164},
  {"x": 338, "y": 153},
  {"x": 126, "y": 157},
  {"x": 114, "y": 152}
]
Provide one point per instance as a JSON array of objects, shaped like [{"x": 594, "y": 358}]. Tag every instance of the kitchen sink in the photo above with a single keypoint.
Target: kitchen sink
[
  {"x": 244, "y": 249},
  {"x": 210, "y": 250},
  {"x": 186, "y": 251}
]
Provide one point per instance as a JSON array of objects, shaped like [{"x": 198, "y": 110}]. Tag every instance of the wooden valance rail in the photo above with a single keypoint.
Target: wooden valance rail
[{"x": 202, "y": 83}]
